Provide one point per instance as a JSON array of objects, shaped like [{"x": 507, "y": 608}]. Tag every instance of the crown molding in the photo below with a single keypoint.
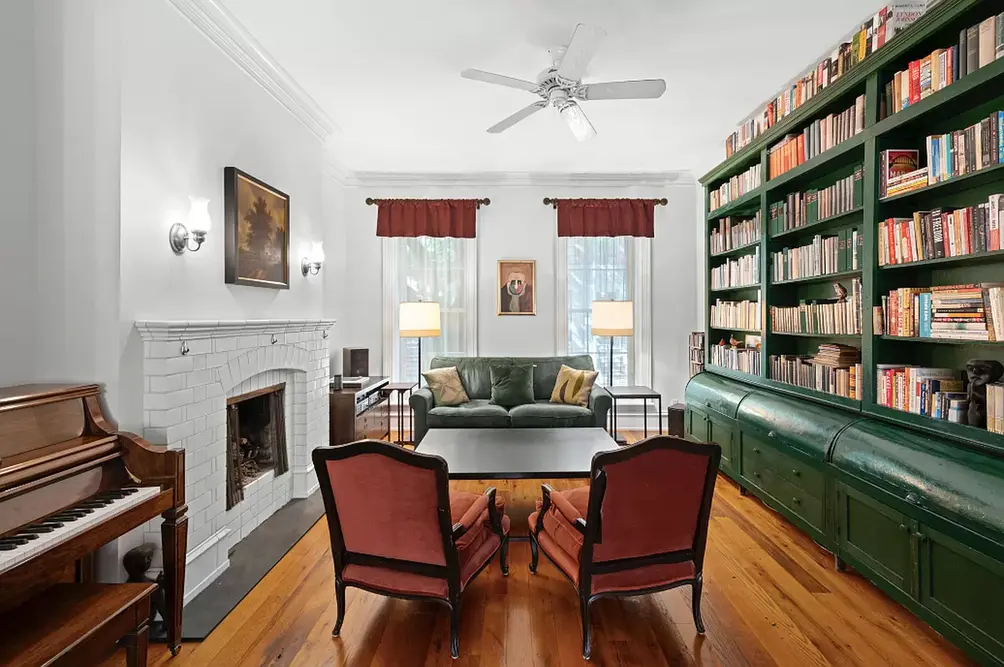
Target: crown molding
[
  {"x": 224, "y": 30},
  {"x": 509, "y": 178}
]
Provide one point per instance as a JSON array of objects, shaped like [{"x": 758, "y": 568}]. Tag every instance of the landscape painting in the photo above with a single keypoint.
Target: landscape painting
[{"x": 257, "y": 232}]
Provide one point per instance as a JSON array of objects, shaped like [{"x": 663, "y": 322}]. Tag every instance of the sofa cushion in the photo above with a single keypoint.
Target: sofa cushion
[
  {"x": 512, "y": 385},
  {"x": 445, "y": 385},
  {"x": 477, "y": 413},
  {"x": 476, "y": 375},
  {"x": 573, "y": 386},
  {"x": 544, "y": 414}
]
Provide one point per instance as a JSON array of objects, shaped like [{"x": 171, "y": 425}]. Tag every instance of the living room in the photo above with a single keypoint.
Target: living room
[{"x": 370, "y": 236}]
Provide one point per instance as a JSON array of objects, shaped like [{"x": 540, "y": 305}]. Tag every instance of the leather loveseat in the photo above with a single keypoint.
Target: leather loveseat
[{"x": 480, "y": 412}]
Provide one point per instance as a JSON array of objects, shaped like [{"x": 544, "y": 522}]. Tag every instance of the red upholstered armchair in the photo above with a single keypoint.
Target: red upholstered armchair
[
  {"x": 639, "y": 527},
  {"x": 397, "y": 530}
]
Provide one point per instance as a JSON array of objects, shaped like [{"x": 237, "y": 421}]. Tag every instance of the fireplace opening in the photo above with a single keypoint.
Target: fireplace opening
[{"x": 256, "y": 438}]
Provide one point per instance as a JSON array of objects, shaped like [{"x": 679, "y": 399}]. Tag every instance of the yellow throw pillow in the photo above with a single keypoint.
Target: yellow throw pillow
[
  {"x": 573, "y": 386},
  {"x": 446, "y": 386}
]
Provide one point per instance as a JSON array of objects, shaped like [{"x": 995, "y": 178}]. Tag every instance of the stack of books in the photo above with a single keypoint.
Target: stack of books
[
  {"x": 818, "y": 137},
  {"x": 696, "y": 352},
  {"x": 958, "y": 153},
  {"x": 973, "y": 312},
  {"x": 836, "y": 369},
  {"x": 900, "y": 168},
  {"x": 804, "y": 208},
  {"x": 734, "y": 188},
  {"x": 734, "y": 315},
  {"x": 995, "y": 408},
  {"x": 731, "y": 233},
  {"x": 740, "y": 272},
  {"x": 821, "y": 316},
  {"x": 978, "y": 46},
  {"x": 941, "y": 233},
  {"x": 744, "y": 359},
  {"x": 825, "y": 255},
  {"x": 933, "y": 392}
]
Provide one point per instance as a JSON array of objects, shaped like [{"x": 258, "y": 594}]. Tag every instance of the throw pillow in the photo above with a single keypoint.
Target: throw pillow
[
  {"x": 446, "y": 387},
  {"x": 573, "y": 386},
  {"x": 512, "y": 385}
]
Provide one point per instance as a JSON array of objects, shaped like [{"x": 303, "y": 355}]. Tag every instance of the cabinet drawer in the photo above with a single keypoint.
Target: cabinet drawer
[
  {"x": 759, "y": 453},
  {"x": 797, "y": 501}
]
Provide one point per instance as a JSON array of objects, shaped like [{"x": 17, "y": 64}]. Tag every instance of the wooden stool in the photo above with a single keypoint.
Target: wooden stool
[{"x": 78, "y": 624}]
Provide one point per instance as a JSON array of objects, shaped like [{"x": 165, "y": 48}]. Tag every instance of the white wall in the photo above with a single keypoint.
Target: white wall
[{"x": 517, "y": 225}]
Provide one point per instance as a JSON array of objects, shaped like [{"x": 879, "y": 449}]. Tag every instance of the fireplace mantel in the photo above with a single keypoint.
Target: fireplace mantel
[{"x": 193, "y": 329}]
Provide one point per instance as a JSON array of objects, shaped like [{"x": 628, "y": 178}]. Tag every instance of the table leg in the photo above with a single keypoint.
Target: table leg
[
  {"x": 644, "y": 416},
  {"x": 660, "y": 416}
]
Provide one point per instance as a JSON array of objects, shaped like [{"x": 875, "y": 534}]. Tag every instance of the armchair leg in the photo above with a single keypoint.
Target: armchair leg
[
  {"x": 696, "y": 602},
  {"x": 455, "y": 628},
  {"x": 534, "y": 553},
  {"x": 504, "y": 556},
  {"x": 586, "y": 639},
  {"x": 340, "y": 600}
]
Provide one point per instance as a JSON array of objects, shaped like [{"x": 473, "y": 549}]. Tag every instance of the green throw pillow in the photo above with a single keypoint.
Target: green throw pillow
[{"x": 512, "y": 385}]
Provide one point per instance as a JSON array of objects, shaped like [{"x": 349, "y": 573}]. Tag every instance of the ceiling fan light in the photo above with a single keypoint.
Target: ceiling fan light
[{"x": 577, "y": 121}]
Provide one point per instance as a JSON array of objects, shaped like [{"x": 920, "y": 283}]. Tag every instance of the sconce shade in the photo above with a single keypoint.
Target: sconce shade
[
  {"x": 419, "y": 319},
  {"x": 317, "y": 252},
  {"x": 613, "y": 318},
  {"x": 198, "y": 215}
]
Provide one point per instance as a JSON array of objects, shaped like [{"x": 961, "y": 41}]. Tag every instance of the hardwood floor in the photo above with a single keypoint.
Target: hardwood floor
[{"x": 771, "y": 597}]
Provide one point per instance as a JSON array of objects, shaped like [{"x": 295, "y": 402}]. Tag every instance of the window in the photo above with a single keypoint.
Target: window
[
  {"x": 429, "y": 269},
  {"x": 600, "y": 269}
]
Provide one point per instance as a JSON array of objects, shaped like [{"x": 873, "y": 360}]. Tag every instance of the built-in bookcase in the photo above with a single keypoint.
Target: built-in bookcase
[{"x": 954, "y": 107}]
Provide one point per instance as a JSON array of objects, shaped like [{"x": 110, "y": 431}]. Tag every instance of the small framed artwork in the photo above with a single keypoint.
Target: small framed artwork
[
  {"x": 257, "y": 231},
  {"x": 517, "y": 287}
]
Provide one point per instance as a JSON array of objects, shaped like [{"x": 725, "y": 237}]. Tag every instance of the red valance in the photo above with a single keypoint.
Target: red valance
[
  {"x": 606, "y": 217},
  {"x": 427, "y": 217}
]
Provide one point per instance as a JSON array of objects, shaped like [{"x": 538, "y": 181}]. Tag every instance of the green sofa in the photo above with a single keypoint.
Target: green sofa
[{"x": 480, "y": 412}]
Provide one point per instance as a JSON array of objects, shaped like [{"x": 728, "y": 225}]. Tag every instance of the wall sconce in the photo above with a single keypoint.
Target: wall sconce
[
  {"x": 199, "y": 224},
  {"x": 312, "y": 262}
]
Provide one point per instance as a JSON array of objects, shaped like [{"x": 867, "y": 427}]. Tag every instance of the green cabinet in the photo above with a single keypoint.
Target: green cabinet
[
  {"x": 723, "y": 432},
  {"x": 712, "y": 403},
  {"x": 696, "y": 424}
]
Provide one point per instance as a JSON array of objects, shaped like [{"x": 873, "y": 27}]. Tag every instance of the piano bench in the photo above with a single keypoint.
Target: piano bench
[{"x": 78, "y": 624}]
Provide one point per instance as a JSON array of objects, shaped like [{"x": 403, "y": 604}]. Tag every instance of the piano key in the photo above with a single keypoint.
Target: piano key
[{"x": 36, "y": 529}]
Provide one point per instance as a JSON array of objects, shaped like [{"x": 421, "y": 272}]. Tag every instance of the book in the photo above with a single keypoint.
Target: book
[
  {"x": 896, "y": 163},
  {"x": 988, "y": 41},
  {"x": 964, "y": 51},
  {"x": 999, "y": 42},
  {"x": 972, "y": 49}
]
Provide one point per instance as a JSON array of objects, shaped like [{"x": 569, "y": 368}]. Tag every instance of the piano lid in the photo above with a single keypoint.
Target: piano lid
[{"x": 24, "y": 395}]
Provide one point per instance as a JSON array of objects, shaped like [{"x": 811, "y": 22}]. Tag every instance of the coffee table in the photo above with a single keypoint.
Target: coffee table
[{"x": 552, "y": 455}]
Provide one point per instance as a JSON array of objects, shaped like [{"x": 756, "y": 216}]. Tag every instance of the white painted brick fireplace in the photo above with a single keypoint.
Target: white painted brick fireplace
[{"x": 190, "y": 369}]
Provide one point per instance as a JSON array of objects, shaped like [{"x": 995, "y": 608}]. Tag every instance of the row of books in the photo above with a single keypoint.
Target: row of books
[
  {"x": 973, "y": 311},
  {"x": 734, "y": 188},
  {"x": 871, "y": 35},
  {"x": 732, "y": 315},
  {"x": 743, "y": 359},
  {"x": 933, "y": 392},
  {"x": 732, "y": 233},
  {"x": 738, "y": 272},
  {"x": 804, "y": 208},
  {"x": 835, "y": 369},
  {"x": 825, "y": 255},
  {"x": 995, "y": 408},
  {"x": 978, "y": 46},
  {"x": 820, "y": 316},
  {"x": 941, "y": 233},
  {"x": 818, "y": 137}
]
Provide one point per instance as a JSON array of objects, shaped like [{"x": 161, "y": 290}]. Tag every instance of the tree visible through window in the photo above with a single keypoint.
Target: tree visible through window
[{"x": 600, "y": 268}]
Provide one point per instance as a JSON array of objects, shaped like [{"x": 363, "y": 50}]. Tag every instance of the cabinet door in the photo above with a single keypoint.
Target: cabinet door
[
  {"x": 721, "y": 433},
  {"x": 697, "y": 425},
  {"x": 878, "y": 537},
  {"x": 964, "y": 587}
]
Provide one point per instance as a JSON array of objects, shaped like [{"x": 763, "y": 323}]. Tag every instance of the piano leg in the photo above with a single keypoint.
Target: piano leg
[{"x": 174, "y": 535}]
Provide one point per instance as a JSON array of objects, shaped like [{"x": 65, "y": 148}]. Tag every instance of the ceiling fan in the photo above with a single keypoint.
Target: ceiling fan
[{"x": 560, "y": 85}]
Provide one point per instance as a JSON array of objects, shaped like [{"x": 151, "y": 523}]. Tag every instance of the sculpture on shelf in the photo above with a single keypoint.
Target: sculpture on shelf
[
  {"x": 137, "y": 562},
  {"x": 840, "y": 291},
  {"x": 981, "y": 372}
]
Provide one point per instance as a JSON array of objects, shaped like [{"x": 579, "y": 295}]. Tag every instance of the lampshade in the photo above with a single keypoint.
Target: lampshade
[
  {"x": 613, "y": 318},
  {"x": 419, "y": 319},
  {"x": 317, "y": 252},
  {"x": 198, "y": 215}
]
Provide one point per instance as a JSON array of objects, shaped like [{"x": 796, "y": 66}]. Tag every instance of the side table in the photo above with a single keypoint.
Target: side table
[
  {"x": 645, "y": 394},
  {"x": 401, "y": 388}
]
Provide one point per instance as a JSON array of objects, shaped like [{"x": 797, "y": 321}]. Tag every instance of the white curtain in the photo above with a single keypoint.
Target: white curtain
[{"x": 429, "y": 269}]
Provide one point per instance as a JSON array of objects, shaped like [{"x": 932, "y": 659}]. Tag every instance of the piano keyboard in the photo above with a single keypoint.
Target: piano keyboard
[{"x": 36, "y": 538}]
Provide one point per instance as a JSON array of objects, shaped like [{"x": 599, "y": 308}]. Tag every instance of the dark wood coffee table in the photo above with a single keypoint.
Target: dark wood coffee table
[{"x": 493, "y": 455}]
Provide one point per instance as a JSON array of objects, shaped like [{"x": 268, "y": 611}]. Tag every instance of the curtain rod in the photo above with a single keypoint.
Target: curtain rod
[
  {"x": 372, "y": 202},
  {"x": 553, "y": 202}
]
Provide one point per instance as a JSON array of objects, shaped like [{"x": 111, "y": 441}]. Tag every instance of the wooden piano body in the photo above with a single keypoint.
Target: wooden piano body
[{"x": 57, "y": 454}]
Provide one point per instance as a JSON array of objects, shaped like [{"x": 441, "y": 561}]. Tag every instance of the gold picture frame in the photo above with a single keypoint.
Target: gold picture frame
[{"x": 516, "y": 287}]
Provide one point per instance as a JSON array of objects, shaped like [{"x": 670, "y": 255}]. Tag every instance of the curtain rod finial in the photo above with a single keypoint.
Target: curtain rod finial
[
  {"x": 662, "y": 202},
  {"x": 370, "y": 201}
]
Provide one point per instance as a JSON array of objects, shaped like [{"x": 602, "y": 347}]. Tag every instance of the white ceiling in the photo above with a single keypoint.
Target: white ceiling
[{"x": 388, "y": 72}]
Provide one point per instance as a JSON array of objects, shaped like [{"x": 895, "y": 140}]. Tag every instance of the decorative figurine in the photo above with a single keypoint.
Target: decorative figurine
[
  {"x": 981, "y": 372},
  {"x": 840, "y": 291},
  {"x": 136, "y": 563}
]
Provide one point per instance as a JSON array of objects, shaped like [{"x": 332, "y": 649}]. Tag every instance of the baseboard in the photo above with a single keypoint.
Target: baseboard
[{"x": 207, "y": 582}]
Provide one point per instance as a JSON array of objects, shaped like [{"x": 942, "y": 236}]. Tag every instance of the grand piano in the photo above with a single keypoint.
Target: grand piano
[{"x": 70, "y": 483}]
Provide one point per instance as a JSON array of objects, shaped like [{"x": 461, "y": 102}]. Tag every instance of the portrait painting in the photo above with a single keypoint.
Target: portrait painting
[
  {"x": 257, "y": 231},
  {"x": 517, "y": 284}
]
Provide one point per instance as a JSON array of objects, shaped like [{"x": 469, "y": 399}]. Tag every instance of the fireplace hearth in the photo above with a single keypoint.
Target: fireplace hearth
[{"x": 256, "y": 439}]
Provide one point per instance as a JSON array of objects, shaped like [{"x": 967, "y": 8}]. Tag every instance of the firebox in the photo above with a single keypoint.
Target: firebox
[{"x": 256, "y": 438}]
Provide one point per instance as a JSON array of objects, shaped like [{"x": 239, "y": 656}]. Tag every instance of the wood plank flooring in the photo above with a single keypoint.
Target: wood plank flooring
[{"x": 771, "y": 597}]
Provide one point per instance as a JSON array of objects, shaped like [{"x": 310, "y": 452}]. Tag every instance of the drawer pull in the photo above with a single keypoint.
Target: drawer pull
[
  {"x": 756, "y": 450},
  {"x": 771, "y": 434},
  {"x": 796, "y": 501},
  {"x": 796, "y": 473},
  {"x": 903, "y": 527},
  {"x": 756, "y": 474},
  {"x": 912, "y": 498},
  {"x": 921, "y": 537}
]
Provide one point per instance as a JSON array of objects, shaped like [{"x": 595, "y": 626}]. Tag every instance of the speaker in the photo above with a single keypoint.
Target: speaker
[
  {"x": 355, "y": 361},
  {"x": 336, "y": 382}
]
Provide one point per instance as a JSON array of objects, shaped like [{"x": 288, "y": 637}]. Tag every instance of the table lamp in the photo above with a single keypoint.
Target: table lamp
[
  {"x": 419, "y": 319},
  {"x": 613, "y": 318}
]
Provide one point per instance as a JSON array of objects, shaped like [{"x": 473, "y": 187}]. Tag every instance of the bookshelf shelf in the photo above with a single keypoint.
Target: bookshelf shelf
[
  {"x": 818, "y": 279},
  {"x": 722, "y": 290},
  {"x": 942, "y": 341},
  {"x": 974, "y": 258},
  {"x": 819, "y": 335},
  {"x": 955, "y": 184},
  {"x": 820, "y": 225},
  {"x": 736, "y": 251},
  {"x": 823, "y": 161},
  {"x": 736, "y": 330},
  {"x": 741, "y": 204}
]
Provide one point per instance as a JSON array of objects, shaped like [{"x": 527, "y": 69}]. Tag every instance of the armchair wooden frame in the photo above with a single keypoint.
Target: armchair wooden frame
[
  {"x": 451, "y": 532},
  {"x": 592, "y": 531}
]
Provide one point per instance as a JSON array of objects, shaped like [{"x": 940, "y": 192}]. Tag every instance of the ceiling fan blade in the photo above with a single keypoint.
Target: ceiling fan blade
[
  {"x": 577, "y": 121},
  {"x": 585, "y": 42},
  {"x": 488, "y": 77},
  {"x": 623, "y": 90},
  {"x": 525, "y": 112}
]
